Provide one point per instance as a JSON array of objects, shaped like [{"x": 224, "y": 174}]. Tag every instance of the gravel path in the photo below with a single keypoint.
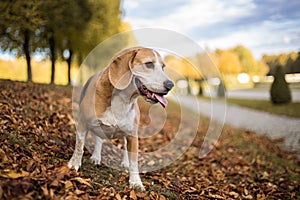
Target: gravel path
[{"x": 274, "y": 126}]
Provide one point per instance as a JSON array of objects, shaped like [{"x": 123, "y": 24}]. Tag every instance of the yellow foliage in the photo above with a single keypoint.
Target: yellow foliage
[
  {"x": 263, "y": 68},
  {"x": 182, "y": 66},
  {"x": 125, "y": 26},
  {"x": 229, "y": 63},
  {"x": 41, "y": 71},
  {"x": 13, "y": 69}
]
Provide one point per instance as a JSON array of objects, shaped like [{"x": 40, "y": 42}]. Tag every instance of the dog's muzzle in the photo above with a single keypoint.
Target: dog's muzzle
[{"x": 152, "y": 96}]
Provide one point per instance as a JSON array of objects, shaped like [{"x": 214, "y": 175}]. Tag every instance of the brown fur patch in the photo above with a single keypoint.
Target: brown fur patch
[
  {"x": 103, "y": 94},
  {"x": 146, "y": 55}
]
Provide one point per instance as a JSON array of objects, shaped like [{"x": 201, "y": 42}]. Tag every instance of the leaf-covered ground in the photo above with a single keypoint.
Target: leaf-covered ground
[{"x": 37, "y": 138}]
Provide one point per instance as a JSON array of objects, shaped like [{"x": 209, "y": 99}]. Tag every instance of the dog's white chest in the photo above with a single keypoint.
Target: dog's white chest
[{"x": 118, "y": 120}]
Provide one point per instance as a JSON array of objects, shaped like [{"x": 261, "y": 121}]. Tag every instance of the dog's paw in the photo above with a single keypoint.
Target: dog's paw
[
  {"x": 74, "y": 162},
  {"x": 95, "y": 159},
  {"x": 136, "y": 183},
  {"x": 138, "y": 186}
]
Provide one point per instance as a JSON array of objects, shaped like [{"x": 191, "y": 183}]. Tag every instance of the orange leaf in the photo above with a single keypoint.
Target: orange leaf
[
  {"x": 68, "y": 185},
  {"x": 45, "y": 190},
  {"x": 118, "y": 197},
  {"x": 82, "y": 181},
  {"x": 15, "y": 175},
  {"x": 133, "y": 195}
]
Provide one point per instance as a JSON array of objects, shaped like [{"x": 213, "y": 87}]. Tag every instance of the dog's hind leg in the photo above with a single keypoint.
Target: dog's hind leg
[
  {"x": 96, "y": 156},
  {"x": 75, "y": 161},
  {"x": 125, "y": 161}
]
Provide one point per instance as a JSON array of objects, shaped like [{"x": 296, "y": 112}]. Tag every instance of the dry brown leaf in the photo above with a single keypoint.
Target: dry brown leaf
[
  {"x": 83, "y": 181},
  {"x": 1, "y": 192},
  {"x": 153, "y": 195},
  {"x": 54, "y": 183},
  {"x": 45, "y": 190},
  {"x": 68, "y": 185},
  {"x": 140, "y": 195},
  {"x": 216, "y": 196},
  {"x": 30, "y": 165},
  {"x": 234, "y": 194},
  {"x": 51, "y": 193},
  {"x": 3, "y": 156},
  {"x": 146, "y": 184},
  {"x": 79, "y": 192},
  {"x": 248, "y": 197},
  {"x": 37, "y": 136},
  {"x": 118, "y": 197},
  {"x": 133, "y": 195},
  {"x": 15, "y": 175}
]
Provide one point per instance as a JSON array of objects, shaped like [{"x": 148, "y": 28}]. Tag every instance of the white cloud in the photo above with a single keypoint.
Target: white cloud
[
  {"x": 220, "y": 23},
  {"x": 130, "y": 5},
  {"x": 194, "y": 13},
  {"x": 267, "y": 38},
  {"x": 287, "y": 39}
]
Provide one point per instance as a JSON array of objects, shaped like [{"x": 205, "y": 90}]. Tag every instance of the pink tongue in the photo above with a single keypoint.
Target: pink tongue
[{"x": 161, "y": 100}]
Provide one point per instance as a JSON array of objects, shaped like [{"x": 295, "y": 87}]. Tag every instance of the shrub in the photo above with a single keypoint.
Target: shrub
[{"x": 280, "y": 92}]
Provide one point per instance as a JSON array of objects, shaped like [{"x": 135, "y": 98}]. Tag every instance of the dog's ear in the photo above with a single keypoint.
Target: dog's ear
[{"x": 120, "y": 74}]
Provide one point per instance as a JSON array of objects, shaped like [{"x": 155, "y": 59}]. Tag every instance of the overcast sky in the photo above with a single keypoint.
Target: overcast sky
[{"x": 265, "y": 27}]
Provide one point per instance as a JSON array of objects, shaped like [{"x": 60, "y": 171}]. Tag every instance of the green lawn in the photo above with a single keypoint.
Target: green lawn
[{"x": 291, "y": 109}]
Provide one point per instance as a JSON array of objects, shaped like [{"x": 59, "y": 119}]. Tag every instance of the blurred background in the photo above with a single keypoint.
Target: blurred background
[{"x": 46, "y": 41}]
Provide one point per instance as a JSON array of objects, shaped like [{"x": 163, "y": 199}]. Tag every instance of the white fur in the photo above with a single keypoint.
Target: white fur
[
  {"x": 96, "y": 156},
  {"x": 120, "y": 114},
  {"x": 152, "y": 78}
]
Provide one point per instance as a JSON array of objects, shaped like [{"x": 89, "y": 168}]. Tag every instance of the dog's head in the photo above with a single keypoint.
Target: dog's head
[{"x": 145, "y": 68}]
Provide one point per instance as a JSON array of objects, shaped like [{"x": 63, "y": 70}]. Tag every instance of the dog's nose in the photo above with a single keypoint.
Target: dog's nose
[{"x": 168, "y": 85}]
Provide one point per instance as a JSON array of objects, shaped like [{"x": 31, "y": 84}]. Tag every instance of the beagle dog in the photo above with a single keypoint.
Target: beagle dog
[{"x": 108, "y": 104}]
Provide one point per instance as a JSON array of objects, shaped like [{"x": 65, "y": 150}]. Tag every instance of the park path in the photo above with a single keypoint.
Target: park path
[
  {"x": 260, "y": 93},
  {"x": 274, "y": 126}
]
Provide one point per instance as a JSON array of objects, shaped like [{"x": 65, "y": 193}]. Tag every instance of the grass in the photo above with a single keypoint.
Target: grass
[
  {"x": 255, "y": 149},
  {"x": 291, "y": 109}
]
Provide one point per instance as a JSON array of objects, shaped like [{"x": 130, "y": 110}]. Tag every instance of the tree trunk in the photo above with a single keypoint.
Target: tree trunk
[
  {"x": 221, "y": 89},
  {"x": 200, "y": 91},
  {"x": 188, "y": 86},
  {"x": 69, "y": 61},
  {"x": 53, "y": 58},
  {"x": 26, "y": 49}
]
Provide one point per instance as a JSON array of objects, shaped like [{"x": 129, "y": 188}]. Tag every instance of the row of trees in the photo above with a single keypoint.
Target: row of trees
[
  {"x": 64, "y": 28},
  {"x": 290, "y": 62},
  {"x": 230, "y": 62},
  {"x": 237, "y": 60}
]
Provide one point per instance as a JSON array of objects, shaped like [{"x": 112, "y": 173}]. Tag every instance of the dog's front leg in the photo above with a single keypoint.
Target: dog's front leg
[
  {"x": 134, "y": 177},
  {"x": 125, "y": 161},
  {"x": 96, "y": 157},
  {"x": 75, "y": 161}
]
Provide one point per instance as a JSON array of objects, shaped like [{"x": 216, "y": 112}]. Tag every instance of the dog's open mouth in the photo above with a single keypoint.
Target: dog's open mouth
[{"x": 150, "y": 96}]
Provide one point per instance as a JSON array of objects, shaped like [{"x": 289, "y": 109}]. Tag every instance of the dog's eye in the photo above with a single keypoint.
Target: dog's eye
[{"x": 149, "y": 65}]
